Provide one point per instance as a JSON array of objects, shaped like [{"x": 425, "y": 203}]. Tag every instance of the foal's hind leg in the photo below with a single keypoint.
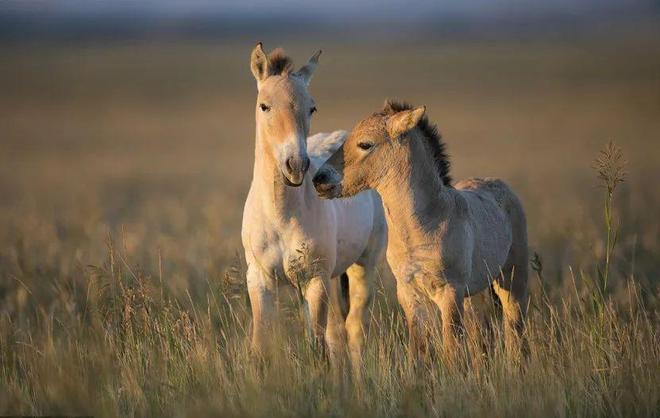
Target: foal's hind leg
[
  {"x": 511, "y": 289},
  {"x": 335, "y": 334},
  {"x": 360, "y": 289},
  {"x": 511, "y": 285}
]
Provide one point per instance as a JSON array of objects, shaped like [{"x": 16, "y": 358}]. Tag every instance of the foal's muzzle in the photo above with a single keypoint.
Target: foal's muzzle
[
  {"x": 325, "y": 185},
  {"x": 294, "y": 170}
]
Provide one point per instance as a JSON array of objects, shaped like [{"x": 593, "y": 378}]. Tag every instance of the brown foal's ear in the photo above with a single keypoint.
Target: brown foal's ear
[
  {"x": 403, "y": 121},
  {"x": 259, "y": 63},
  {"x": 388, "y": 106},
  {"x": 307, "y": 71}
]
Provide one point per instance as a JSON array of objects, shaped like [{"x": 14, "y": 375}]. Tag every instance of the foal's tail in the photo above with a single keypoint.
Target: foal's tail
[{"x": 344, "y": 295}]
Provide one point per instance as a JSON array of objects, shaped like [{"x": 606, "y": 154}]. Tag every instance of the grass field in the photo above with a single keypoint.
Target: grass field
[{"x": 123, "y": 171}]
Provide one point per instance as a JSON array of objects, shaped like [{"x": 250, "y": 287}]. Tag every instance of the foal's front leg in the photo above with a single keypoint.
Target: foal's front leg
[
  {"x": 316, "y": 309},
  {"x": 450, "y": 301},
  {"x": 261, "y": 290},
  {"x": 417, "y": 319}
]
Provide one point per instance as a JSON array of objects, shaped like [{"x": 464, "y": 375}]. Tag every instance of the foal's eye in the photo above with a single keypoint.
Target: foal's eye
[
  {"x": 312, "y": 110},
  {"x": 264, "y": 107},
  {"x": 365, "y": 146}
]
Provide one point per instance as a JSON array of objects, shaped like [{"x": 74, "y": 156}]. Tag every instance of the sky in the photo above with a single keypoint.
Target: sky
[
  {"x": 80, "y": 19},
  {"x": 339, "y": 8}
]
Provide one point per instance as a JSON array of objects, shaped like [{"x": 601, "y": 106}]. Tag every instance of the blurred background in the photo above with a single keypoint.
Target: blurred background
[{"x": 134, "y": 121}]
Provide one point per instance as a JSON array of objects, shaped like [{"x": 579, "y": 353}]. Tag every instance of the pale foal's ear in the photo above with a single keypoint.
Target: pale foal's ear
[
  {"x": 402, "y": 122},
  {"x": 259, "y": 64},
  {"x": 307, "y": 70}
]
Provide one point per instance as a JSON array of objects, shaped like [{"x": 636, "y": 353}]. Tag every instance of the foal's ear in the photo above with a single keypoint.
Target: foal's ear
[
  {"x": 307, "y": 70},
  {"x": 403, "y": 121},
  {"x": 388, "y": 106},
  {"x": 259, "y": 63}
]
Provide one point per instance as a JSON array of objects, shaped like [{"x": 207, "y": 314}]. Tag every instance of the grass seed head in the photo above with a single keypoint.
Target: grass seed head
[{"x": 610, "y": 166}]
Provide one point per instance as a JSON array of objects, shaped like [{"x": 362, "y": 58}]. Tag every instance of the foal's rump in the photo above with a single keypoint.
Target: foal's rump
[{"x": 498, "y": 221}]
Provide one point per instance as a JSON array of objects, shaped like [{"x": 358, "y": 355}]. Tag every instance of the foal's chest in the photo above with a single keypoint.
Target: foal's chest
[{"x": 291, "y": 253}]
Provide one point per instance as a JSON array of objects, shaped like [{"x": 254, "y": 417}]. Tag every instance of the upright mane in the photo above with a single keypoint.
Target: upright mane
[
  {"x": 432, "y": 138},
  {"x": 279, "y": 62}
]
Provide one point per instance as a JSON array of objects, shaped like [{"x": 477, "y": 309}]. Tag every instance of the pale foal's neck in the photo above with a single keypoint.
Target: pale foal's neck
[{"x": 279, "y": 200}]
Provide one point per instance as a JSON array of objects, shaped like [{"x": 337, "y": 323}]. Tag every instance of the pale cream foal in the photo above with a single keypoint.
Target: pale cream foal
[{"x": 283, "y": 214}]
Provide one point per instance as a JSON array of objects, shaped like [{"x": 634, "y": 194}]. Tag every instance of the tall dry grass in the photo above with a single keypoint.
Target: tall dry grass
[{"x": 111, "y": 340}]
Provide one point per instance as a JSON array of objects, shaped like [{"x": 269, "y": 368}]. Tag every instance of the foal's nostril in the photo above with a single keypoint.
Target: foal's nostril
[
  {"x": 320, "y": 177},
  {"x": 289, "y": 166}
]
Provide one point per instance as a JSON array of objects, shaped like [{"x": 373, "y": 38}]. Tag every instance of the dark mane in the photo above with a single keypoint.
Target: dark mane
[
  {"x": 430, "y": 134},
  {"x": 279, "y": 62}
]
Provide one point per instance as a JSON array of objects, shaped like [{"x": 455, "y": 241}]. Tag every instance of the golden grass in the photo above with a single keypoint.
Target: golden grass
[{"x": 123, "y": 170}]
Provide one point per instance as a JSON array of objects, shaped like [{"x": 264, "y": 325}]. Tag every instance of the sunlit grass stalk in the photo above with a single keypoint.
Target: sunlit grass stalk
[
  {"x": 610, "y": 168},
  {"x": 611, "y": 236}
]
